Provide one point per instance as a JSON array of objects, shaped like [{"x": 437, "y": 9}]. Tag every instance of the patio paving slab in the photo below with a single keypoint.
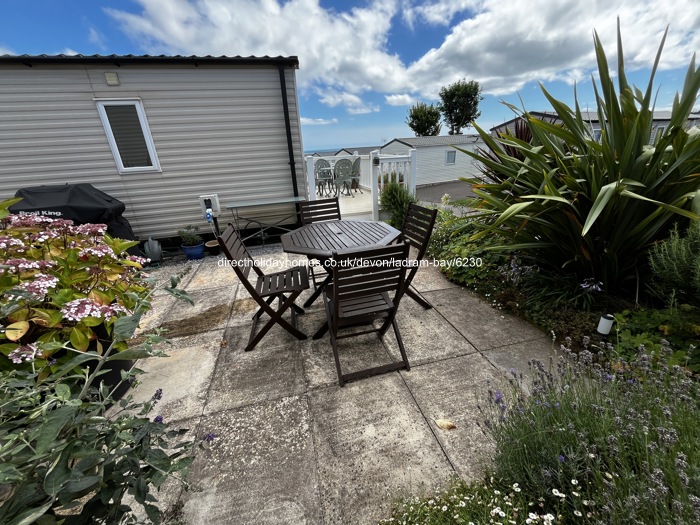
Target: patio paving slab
[
  {"x": 184, "y": 376},
  {"x": 294, "y": 447},
  {"x": 211, "y": 310},
  {"x": 259, "y": 470},
  {"x": 483, "y": 326},
  {"x": 267, "y": 372},
  {"x": 429, "y": 278},
  {"x": 212, "y": 272},
  {"x": 426, "y": 335},
  {"x": 371, "y": 441},
  {"x": 515, "y": 357},
  {"x": 452, "y": 389}
]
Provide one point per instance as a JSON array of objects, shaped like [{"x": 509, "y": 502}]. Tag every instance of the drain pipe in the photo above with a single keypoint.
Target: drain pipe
[{"x": 288, "y": 126}]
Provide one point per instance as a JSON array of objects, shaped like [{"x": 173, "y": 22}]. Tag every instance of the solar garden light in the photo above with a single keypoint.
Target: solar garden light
[{"x": 605, "y": 324}]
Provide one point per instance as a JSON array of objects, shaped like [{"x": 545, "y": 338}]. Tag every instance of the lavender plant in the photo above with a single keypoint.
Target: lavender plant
[{"x": 626, "y": 432}]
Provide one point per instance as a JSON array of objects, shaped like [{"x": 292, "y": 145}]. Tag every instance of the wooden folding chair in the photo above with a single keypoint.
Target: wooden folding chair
[
  {"x": 309, "y": 213},
  {"x": 366, "y": 285},
  {"x": 319, "y": 210},
  {"x": 417, "y": 228},
  {"x": 267, "y": 287}
]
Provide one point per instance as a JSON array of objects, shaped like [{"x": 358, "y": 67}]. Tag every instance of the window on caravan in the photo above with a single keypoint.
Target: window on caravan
[
  {"x": 450, "y": 157},
  {"x": 128, "y": 135}
]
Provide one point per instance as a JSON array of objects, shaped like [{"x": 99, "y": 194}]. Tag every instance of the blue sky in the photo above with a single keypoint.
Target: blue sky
[{"x": 364, "y": 63}]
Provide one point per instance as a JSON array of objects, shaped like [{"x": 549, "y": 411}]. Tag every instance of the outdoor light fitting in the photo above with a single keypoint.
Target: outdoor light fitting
[
  {"x": 112, "y": 78},
  {"x": 605, "y": 324}
]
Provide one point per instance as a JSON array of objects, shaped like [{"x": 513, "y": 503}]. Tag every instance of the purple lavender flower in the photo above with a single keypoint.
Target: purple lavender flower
[
  {"x": 498, "y": 398},
  {"x": 158, "y": 419},
  {"x": 561, "y": 458},
  {"x": 209, "y": 437}
]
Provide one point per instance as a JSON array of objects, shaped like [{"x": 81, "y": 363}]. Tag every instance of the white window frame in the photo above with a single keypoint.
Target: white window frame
[
  {"x": 447, "y": 157},
  {"x": 145, "y": 129}
]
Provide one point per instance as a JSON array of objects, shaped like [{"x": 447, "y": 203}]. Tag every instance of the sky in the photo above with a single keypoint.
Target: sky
[{"x": 364, "y": 63}]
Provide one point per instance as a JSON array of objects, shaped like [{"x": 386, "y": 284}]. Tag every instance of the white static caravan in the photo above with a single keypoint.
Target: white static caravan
[
  {"x": 436, "y": 158},
  {"x": 154, "y": 131}
]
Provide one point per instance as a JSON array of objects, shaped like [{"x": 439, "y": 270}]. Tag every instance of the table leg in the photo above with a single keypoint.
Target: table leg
[{"x": 318, "y": 291}]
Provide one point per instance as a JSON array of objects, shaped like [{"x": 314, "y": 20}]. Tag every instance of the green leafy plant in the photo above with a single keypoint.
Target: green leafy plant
[
  {"x": 63, "y": 283},
  {"x": 395, "y": 199},
  {"x": 675, "y": 265},
  {"x": 424, "y": 120},
  {"x": 459, "y": 104},
  {"x": 577, "y": 441},
  {"x": 592, "y": 208},
  {"x": 189, "y": 235},
  {"x": 64, "y": 459},
  {"x": 677, "y": 327}
]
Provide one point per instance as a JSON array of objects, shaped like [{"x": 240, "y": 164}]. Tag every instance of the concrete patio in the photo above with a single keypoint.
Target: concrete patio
[{"x": 291, "y": 446}]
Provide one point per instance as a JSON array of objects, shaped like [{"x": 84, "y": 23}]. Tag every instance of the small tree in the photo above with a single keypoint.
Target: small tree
[
  {"x": 460, "y": 104},
  {"x": 424, "y": 120}
]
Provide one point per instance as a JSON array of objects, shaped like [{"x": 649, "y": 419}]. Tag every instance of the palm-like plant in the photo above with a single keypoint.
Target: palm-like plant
[{"x": 587, "y": 207}]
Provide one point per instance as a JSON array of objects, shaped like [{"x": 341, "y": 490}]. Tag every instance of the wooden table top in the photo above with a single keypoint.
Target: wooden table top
[{"x": 321, "y": 239}]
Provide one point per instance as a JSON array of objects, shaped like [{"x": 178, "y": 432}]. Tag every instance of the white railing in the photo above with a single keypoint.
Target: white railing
[
  {"x": 365, "y": 171},
  {"x": 391, "y": 168}
]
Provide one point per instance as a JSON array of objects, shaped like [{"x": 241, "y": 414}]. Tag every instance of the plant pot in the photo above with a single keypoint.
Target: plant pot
[
  {"x": 212, "y": 247},
  {"x": 193, "y": 252}
]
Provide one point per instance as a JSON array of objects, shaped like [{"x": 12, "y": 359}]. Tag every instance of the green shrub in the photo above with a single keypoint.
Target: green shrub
[
  {"x": 63, "y": 458},
  {"x": 588, "y": 444},
  {"x": 675, "y": 264},
  {"x": 624, "y": 434},
  {"x": 591, "y": 208},
  {"x": 395, "y": 199},
  {"x": 471, "y": 263},
  {"x": 677, "y": 327}
]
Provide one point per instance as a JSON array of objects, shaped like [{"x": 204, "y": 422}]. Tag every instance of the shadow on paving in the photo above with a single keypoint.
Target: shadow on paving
[{"x": 292, "y": 446}]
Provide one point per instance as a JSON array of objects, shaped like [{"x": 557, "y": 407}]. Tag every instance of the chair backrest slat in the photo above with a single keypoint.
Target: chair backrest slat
[
  {"x": 418, "y": 226},
  {"x": 362, "y": 273},
  {"x": 237, "y": 254},
  {"x": 319, "y": 210}
]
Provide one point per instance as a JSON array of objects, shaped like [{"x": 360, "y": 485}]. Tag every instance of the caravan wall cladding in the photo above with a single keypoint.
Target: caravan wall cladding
[{"x": 199, "y": 126}]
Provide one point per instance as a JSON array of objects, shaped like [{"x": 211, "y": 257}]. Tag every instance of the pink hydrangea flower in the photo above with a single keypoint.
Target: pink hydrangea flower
[
  {"x": 79, "y": 309},
  {"x": 40, "y": 285},
  {"x": 23, "y": 354},
  {"x": 90, "y": 229},
  {"x": 97, "y": 251}
]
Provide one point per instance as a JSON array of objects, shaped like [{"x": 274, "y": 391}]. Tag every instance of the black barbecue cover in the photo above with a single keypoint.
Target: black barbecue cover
[{"x": 81, "y": 203}]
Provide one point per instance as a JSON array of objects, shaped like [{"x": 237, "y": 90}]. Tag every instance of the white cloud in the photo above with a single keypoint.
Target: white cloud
[
  {"x": 6, "y": 51},
  {"x": 95, "y": 37},
  {"x": 400, "y": 100},
  {"x": 68, "y": 51},
  {"x": 352, "y": 103},
  {"x": 344, "y": 54},
  {"x": 439, "y": 12},
  {"x": 317, "y": 121}
]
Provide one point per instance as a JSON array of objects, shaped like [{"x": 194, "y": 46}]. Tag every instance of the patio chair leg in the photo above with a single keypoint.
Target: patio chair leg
[
  {"x": 321, "y": 331},
  {"x": 400, "y": 342},
  {"x": 334, "y": 344},
  {"x": 275, "y": 318},
  {"x": 317, "y": 291},
  {"x": 417, "y": 297}
]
